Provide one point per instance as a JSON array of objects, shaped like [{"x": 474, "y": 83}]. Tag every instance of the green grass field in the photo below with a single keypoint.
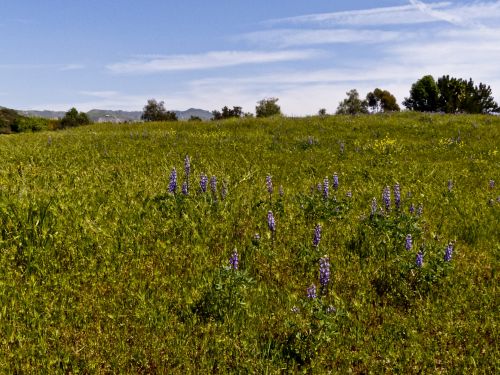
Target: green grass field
[{"x": 102, "y": 270}]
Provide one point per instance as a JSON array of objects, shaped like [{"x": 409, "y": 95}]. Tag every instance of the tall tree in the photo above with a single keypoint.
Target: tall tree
[
  {"x": 424, "y": 95},
  {"x": 382, "y": 101},
  {"x": 352, "y": 105},
  {"x": 155, "y": 111},
  {"x": 74, "y": 118},
  {"x": 267, "y": 107}
]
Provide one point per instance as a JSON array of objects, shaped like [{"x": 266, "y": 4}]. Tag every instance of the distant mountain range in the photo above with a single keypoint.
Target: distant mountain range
[{"x": 102, "y": 115}]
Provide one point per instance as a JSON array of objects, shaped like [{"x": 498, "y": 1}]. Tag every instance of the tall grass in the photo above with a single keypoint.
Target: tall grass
[{"x": 103, "y": 270}]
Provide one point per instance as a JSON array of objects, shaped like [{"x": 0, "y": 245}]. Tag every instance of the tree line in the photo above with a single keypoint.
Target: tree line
[{"x": 447, "y": 95}]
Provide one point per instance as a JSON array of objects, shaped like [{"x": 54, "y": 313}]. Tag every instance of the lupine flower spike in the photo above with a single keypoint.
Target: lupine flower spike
[
  {"x": 234, "y": 260},
  {"x": 185, "y": 188},
  {"x": 213, "y": 184},
  {"x": 203, "y": 182},
  {"x": 448, "y": 253},
  {"x": 419, "y": 262},
  {"x": 271, "y": 223},
  {"x": 335, "y": 181},
  {"x": 325, "y": 188},
  {"x": 386, "y": 197},
  {"x": 317, "y": 235},
  {"x": 409, "y": 242},
  {"x": 172, "y": 186},
  {"x": 397, "y": 196},
  {"x": 311, "y": 291},
  {"x": 269, "y": 184},
  {"x": 324, "y": 271}
]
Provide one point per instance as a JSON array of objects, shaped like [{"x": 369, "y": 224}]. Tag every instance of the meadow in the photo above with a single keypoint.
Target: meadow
[{"x": 336, "y": 244}]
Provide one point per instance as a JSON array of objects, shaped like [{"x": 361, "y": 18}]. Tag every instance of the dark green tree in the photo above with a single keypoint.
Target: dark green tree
[
  {"x": 267, "y": 107},
  {"x": 452, "y": 94},
  {"x": 74, "y": 118},
  {"x": 352, "y": 105},
  {"x": 382, "y": 101},
  {"x": 479, "y": 99},
  {"x": 227, "y": 113},
  {"x": 155, "y": 111},
  {"x": 424, "y": 95},
  {"x": 459, "y": 95}
]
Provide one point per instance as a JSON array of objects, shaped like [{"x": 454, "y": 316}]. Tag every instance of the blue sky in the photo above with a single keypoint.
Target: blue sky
[{"x": 111, "y": 54}]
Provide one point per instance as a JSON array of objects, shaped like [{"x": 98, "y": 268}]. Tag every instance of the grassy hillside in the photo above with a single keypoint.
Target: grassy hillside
[{"x": 104, "y": 270}]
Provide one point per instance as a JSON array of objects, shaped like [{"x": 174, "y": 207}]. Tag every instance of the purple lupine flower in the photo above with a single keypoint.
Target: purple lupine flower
[
  {"x": 450, "y": 185},
  {"x": 184, "y": 188},
  {"x": 311, "y": 291},
  {"x": 412, "y": 208},
  {"x": 223, "y": 192},
  {"x": 448, "y": 253},
  {"x": 269, "y": 184},
  {"x": 187, "y": 166},
  {"x": 319, "y": 187},
  {"x": 256, "y": 237},
  {"x": 409, "y": 242},
  {"x": 420, "y": 210},
  {"x": 325, "y": 188},
  {"x": 324, "y": 271},
  {"x": 386, "y": 197},
  {"x": 397, "y": 196},
  {"x": 317, "y": 235},
  {"x": 172, "y": 186},
  {"x": 419, "y": 261},
  {"x": 271, "y": 223},
  {"x": 492, "y": 184},
  {"x": 234, "y": 260},
  {"x": 213, "y": 184},
  {"x": 374, "y": 207},
  {"x": 335, "y": 181},
  {"x": 348, "y": 194},
  {"x": 281, "y": 191},
  {"x": 203, "y": 182}
]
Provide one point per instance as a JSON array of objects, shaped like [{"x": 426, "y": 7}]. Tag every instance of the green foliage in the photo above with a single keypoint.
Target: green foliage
[
  {"x": 155, "y": 111},
  {"x": 195, "y": 118},
  {"x": 424, "y": 95},
  {"x": 74, "y": 118},
  {"x": 105, "y": 271},
  {"x": 352, "y": 105},
  {"x": 382, "y": 101},
  {"x": 267, "y": 108},
  {"x": 450, "y": 95},
  {"x": 227, "y": 113}
]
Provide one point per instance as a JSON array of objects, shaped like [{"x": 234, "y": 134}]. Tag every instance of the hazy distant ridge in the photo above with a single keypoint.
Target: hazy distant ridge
[{"x": 121, "y": 116}]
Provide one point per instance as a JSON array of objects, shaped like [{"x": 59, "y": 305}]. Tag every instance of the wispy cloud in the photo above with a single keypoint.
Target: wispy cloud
[
  {"x": 59, "y": 67},
  {"x": 416, "y": 12},
  {"x": 405, "y": 14},
  {"x": 72, "y": 67},
  {"x": 209, "y": 60},
  {"x": 101, "y": 94},
  {"x": 299, "y": 37}
]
